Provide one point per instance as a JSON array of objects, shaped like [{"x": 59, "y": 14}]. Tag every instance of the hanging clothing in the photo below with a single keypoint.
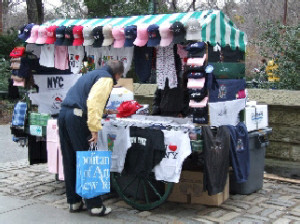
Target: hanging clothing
[
  {"x": 143, "y": 62},
  {"x": 47, "y": 55},
  {"x": 239, "y": 152},
  {"x": 34, "y": 49},
  {"x": 216, "y": 144},
  {"x": 76, "y": 55},
  {"x": 146, "y": 151},
  {"x": 226, "y": 113},
  {"x": 117, "y": 140},
  {"x": 165, "y": 65},
  {"x": 178, "y": 148},
  {"x": 61, "y": 60},
  {"x": 93, "y": 58}
]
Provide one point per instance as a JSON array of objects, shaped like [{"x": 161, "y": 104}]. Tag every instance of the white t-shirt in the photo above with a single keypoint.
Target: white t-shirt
[
  {"x": 76, "y": 55},
  {"x": 47, "y": 55},
  {"x": 178, "y": 147},
  {"x": 35, "y": 49},
  {"x": 52, "y": 91},
  {"x": 225, "y": 113},
  {"x": 93, "y": 56},
  {"x": 124, "y": 54},
  {"x": 117, "y": 140},
  {"x": 61, "y": 57}
]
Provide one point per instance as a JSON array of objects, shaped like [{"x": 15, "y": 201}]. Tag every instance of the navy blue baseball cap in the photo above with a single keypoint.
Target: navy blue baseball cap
[
  {"x": 98, "y": 36},
  {"x": 69, "y": 38},
  {"x": 154, "y": 36},
  {"x": 130, "y": 35},
  {"x": 60, "y": 35},
  {"x": 26, "y": 32},
  {"x": 196, "y": 49}
]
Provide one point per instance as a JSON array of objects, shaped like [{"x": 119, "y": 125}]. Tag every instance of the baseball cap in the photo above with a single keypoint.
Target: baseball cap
[
  {"x": 42, "y": 35},
  {"x": 142, "y": 36},
  {"x": 196, "y": 75},
  {"x": 107, "y": 34},
  {"x": 51, "y": 34},
  {"x": 154, "y": 36},
  {"x": 98, "y": 36},
  {"x": 33, "y": 35},
  {"x": 196, "y": 83},
  {"x": 196, "y": 49},
  {"x": 26, "y": 32},
  {"x": 21, "y": 29},
  {"x": 166, "y": 35},
  {"x": 193, "y": 29},
  {"x": 198, "y": 104},
  {"x": 88, "y": 36},
  {"x": 60, "y": 35},
  {"x": 119, "y": 36},
  {"x": 130, "y": 35},
  {"x": 196, "y": 61},
  {"x": 69, "y": 38},
  {"x": 78, "y": 35},
  {"x": 128, "y": 108},
  {"x": 178, "y": 32},
  {"x": 17, "y": 52}
]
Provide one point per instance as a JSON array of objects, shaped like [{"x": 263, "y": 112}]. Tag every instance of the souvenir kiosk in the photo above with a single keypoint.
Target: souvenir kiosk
[{"x": 209, "y": 70}]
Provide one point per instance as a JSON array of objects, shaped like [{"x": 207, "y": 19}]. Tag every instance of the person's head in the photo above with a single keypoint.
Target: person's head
[{"x": 117, "y": 68}]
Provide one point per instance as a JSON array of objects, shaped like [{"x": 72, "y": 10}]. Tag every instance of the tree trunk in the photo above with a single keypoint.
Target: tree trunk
[
  {"x": 35, "y": 11},
  {"x": 1, "y": 18}
]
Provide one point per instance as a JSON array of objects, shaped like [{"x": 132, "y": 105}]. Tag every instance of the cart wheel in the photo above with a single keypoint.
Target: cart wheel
[{"x": 142, "y": 193}]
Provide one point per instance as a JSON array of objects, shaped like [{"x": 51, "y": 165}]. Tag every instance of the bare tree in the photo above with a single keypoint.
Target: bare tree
[{"x": 35, "y": 11}]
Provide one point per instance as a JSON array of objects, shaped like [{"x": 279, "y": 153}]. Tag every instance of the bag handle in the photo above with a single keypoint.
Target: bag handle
[{"x": 93, "y": 147}]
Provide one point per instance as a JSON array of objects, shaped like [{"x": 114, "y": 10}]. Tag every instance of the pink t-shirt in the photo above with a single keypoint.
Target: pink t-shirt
[{"x": 61, "y": 57}]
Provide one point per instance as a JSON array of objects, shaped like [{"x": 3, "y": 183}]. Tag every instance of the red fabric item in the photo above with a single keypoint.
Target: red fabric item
[
  {"x": 128, "y": 108},
  {"x": 241, "y": 94},
  {"x": 17, "y": 52}
]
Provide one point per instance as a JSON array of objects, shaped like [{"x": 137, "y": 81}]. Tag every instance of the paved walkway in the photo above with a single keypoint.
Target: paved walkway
[{"x": 29, "y": 194}]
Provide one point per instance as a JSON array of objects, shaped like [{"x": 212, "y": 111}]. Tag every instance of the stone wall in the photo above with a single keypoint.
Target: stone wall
[{"x": 284, "y": 118}]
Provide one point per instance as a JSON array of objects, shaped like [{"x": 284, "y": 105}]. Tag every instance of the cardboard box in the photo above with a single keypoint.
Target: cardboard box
[
  {"x": 262, "y": 116},
  {"x": 117, "y": 96},
  {"x": 250, "y": 118},
  {"x": 190, "y": 190}
]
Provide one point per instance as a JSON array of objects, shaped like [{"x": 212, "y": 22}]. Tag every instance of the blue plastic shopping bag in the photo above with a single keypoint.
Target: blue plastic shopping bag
[{"x": 92, "y": 173}]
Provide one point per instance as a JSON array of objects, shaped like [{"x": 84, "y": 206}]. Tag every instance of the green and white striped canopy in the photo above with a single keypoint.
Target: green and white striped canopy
[{"x": 216, "y": 27}]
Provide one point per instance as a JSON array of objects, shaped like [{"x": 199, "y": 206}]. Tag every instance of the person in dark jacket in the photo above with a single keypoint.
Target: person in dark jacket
[{"x": 79, "y": 123}]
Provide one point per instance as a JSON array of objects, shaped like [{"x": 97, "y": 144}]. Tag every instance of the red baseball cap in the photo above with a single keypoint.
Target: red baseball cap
[
  {"x": 128, "y": 108},
  {"x": 78, "y": 35},
  {"x": 51, "y": 38}
]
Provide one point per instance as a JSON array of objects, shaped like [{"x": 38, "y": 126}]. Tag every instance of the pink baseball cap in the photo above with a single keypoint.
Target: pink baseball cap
[
  {"x": 142, "y": 36},
  {"x": 42, "y": 35},
  {"x": 196, "y": 61},
  {"x": 166, "y": 35},
  {"x": 201, "y": 104},
  {"x": 78, "y": 35},
  {"x": 119, "y": 36},
  {"x": 195, "y": 83},
  {"x": 33, "y": 35}
]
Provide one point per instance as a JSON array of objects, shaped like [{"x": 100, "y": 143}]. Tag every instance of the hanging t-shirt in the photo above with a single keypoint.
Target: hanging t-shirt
[
  {"x": 216, "y": 144},
  {"x": 52, "y": 91},
  {"x": 76, "y": 55},
  {"x": 146, "y": 151},
  {"x": 239, "y": 152},
  {"x": 225, "y": 113},
  {"x": 178, "y": 147},
  {"x": 228, "y": 90},
  {"x": 61, "y": 58},
  {"x": 93, "y": 57},
  {"x": 47, "y": 55},
  {"x": 117, "y": 140},
  {"x": 124, "y": 54},
  {"x": 34, "y": 49},
  {"x": 165, "y": 67},
  {"x": 143, "y": 62}
]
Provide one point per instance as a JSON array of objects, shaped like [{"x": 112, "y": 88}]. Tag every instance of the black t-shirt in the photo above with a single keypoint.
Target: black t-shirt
[
  {"x": 147, "y": 150},
  {"x": 216, "y": 157}
]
